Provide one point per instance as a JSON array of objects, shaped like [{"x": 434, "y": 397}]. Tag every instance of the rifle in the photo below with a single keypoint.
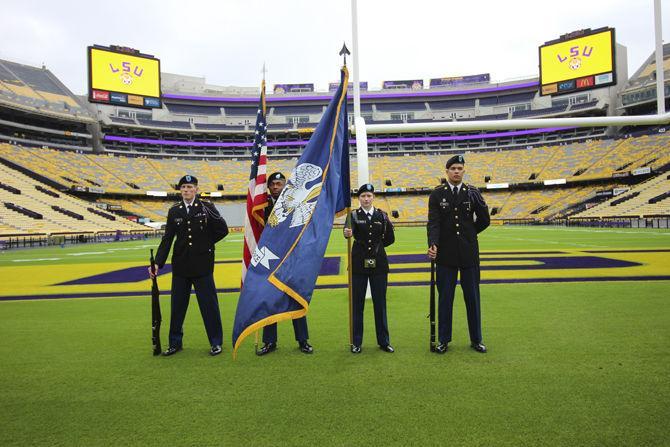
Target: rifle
[
  {"x": 431, "y": 315},
  {"x": 347, "y": 224},
  {"x": 155, "y": 309}
]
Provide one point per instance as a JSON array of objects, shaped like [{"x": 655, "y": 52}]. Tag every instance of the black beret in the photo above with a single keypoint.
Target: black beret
[
  {"x": 187, "y": 179},
  {"x": 455, "y": 159},
  {"x": 276, "y": 176},
  {"x": 366, "y": 188}
]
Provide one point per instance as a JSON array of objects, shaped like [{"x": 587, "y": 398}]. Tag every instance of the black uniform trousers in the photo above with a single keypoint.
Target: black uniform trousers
[
  {"x": 446, "y": 287},
  {"x": 208, "y": 303},
  {"x": 299, "y": 327},
  {"x": 359, "y": 285}
]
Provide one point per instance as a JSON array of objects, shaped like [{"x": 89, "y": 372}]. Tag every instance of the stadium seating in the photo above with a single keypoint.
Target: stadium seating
[
  {"x": 595, "y": 159},
  {"x": 578, "y": 161},
  {"x": 58, "y": 214},
  {"x": 639, "y": 202},
  {"x": 37, "y": 88}
]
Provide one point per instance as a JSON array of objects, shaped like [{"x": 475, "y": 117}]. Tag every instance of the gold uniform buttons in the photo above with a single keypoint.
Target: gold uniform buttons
[{"x": 190, "y": 243}]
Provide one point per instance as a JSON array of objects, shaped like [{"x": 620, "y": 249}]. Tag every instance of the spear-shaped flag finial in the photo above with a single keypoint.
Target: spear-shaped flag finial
[{"x": 344, "y": 52}]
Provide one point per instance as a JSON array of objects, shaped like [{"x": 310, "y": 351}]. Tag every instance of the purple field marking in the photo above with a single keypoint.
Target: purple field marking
[
  {"x": 330, "y": 266},
  {"x": 342, "y": 286},
  {"x": 642, "y": 250},
  {"x": 419, "y": 94},
  {"x": 547, "y": 263}
]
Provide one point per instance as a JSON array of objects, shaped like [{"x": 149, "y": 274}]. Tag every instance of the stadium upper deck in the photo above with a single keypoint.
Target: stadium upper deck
[{"x": 200, "y": 120}]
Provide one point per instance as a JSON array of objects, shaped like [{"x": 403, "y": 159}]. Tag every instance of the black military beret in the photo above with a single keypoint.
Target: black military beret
[
  {"x": 187, "y": 179},
  {"x": 276, "y": 176},
  {"x": 455, "y": 159},
  {"x": 366, "y": 188}
]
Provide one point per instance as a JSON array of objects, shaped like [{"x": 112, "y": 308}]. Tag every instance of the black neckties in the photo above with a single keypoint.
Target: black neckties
[{"x": 455, "y": 191}]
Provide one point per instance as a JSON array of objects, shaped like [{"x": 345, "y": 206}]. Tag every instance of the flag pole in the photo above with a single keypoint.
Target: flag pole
[
  {"x": 256, "y": 337},
  {"x": 347, "y": 224}
]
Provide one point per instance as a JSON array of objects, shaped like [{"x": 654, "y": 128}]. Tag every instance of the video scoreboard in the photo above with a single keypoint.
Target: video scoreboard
[
  {"x": 582, "y": 60},
  {"x": 123, "y": 76}
]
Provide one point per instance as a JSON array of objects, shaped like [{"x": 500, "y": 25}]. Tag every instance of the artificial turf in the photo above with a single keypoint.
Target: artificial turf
[{"x": 569, "y": 363}]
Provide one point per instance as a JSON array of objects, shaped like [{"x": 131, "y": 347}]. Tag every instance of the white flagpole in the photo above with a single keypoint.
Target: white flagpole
[
  {"x": 359, "y": 122},
  {"x": 660, "y": 80}
]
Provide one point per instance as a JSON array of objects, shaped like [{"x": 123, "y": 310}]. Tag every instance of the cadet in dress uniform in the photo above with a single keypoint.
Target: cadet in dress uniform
[
  {"x": 276, "y": 183},
  {"x": 456, "y": 214},
  {"x": 197, "y": 226},
  {"x": 372, "y": 231}
]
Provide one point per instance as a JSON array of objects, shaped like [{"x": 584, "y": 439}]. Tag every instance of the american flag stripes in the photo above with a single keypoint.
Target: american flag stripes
[{"x": 257, "y": 194}]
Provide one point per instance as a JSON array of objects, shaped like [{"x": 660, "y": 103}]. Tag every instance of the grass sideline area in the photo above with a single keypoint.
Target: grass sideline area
[{"x": 570, "y": 363}]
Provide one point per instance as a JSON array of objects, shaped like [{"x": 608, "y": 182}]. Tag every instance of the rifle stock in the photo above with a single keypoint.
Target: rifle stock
[
  {"x": 432, "y": 305},
  {"x": 155, "y": 309}
]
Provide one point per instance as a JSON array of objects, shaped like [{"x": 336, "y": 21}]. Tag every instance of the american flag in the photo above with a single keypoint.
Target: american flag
[{"x": 257, "y": 194}]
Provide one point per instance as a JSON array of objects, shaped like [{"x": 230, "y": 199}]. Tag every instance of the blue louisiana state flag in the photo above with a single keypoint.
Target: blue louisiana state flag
[{"x": 287, "y": 259}]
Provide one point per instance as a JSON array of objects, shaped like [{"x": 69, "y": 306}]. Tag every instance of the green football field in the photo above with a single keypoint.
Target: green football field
[{"x": 577, "y": 323}]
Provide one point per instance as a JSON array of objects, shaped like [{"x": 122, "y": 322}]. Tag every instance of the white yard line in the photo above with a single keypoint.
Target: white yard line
[{"x": 84, "y": 253}]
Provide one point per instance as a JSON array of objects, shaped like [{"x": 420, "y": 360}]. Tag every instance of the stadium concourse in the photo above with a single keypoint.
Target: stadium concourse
[{"x": 72, "y": 168}]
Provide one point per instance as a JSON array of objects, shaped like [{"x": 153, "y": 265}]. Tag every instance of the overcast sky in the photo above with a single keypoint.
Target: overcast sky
[{"x": 227, "y": 41}]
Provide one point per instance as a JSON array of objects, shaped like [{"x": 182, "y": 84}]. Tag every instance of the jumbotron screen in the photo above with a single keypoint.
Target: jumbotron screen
[
  {"x": 123, "y": 77},
  {"x": 581, "y": 62}
]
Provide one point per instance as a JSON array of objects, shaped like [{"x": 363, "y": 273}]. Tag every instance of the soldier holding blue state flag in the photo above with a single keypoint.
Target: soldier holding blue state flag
[
  {"x": 372, "y": 231},
  {"x": 457, "y": 213},
  {"x": 276, "y": 183},
  {"x": 286, "y": 262}
]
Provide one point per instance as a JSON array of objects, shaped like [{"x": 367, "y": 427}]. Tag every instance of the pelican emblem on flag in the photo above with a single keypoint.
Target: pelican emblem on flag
[{"x": 297, "y": 198}]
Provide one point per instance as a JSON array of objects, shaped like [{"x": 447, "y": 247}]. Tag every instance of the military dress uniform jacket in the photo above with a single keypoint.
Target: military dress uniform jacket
[
  {"x": 453, "y": 225},
  {"x": 195, "y": 233},
  {"x": 268, "y": 209},
  {"x": 370, "y": 238}
]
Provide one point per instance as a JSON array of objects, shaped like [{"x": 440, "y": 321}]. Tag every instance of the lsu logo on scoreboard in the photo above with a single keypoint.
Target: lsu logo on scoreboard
[
  {"x": 575, "y": 56},
  {"x": 127, "y": 71}
]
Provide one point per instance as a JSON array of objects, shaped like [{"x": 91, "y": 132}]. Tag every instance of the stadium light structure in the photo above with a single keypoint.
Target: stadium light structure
[{"x": 361, "y": 129}]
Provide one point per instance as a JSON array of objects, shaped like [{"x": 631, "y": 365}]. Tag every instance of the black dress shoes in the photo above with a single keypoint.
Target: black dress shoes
[
  {"x": 478, "y": 347},
  {"x": 387, "y": 348},
  {"x": 441, "y": 348},
  {"x": 171, "y": 350},
  {"x": 355, "y": 349},
  {"x": 216, "y": 350},
  {"x": 267, "y": 348},
  {"x": 305, "y": 347}
]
